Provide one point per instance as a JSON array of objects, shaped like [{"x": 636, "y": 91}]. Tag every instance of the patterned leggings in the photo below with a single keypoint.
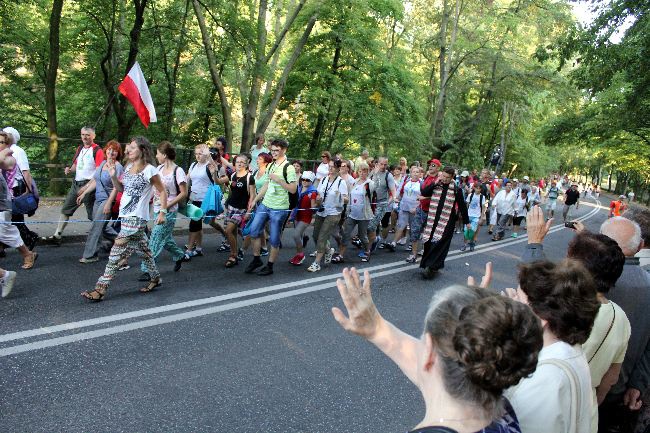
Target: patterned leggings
[
  {"x": 161, "y": 237},
  {"x": 131, "y": 238}
]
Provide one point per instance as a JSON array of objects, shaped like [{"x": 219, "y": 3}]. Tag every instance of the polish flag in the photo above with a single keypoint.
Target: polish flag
[{"x": 134, "y": 88}]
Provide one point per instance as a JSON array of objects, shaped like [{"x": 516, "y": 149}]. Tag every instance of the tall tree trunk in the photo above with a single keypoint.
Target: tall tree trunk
[
  {"x": 435, "y": 129},
  {"x": 323, "y": 114},
  {"x": 214, "y": 73},
  {"x": 502, "y": 145},
  {"x": 50, "y": 83}
]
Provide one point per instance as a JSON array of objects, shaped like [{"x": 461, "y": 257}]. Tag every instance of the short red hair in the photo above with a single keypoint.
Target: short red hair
[{"x": 116, "y": 146}]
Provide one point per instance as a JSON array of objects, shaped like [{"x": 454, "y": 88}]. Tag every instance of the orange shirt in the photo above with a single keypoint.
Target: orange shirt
[{"x": 617, "y": 207}]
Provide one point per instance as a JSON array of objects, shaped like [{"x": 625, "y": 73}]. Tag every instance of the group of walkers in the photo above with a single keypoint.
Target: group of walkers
[{"x": 567, "y": 351}]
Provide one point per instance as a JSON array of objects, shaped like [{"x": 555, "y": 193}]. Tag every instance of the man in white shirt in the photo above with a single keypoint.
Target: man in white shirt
[
  {"x": 86, "y": 159},
  {"x": 504, "y": 204},
  {"x": 22, "y": 180}
]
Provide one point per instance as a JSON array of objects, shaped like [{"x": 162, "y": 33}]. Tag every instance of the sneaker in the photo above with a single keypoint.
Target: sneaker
[
  {"x": 264, "y": 252},
  {"x": 189, "y": 254},
  {"x": 391, "y": 246},
  {"x": 144, "y": 277},
  {"x": 411, "y": 259},
  {"x": 297, "y": 259},
  {"x": 92, "y": 259},
  {"x": 7, "y": 283},
  {"x": 225, "y": 246},
  {"x": 409, "y": 248},
  {"x": 464, "y": 247},
  {"x": 266, "y": 270},
  {"x": 314, "y": 267},
  {"x": 328, "y": 255},
  {"x": 256, "y": 263},
  {"x": 240, "y": 254},
  {"x": 514, "y": 235},
  {"x": 402, "y": 241},
  {"x": 363, "y": 256},
  {"x": 313, "y": 254},
  {"x": 381, "y": 246},
  {"x": 356, "y": 242},
  {"x": 198, "y": 252}
]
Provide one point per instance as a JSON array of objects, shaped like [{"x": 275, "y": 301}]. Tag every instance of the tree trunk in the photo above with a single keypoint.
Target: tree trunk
[
  {"x": 323, "y": 114},
  {"x": 50, "y": 80},
  {"x": 435, "y": 129},
  {"x": 214, "y": 73},
  {"x": 502, "y": 145}
]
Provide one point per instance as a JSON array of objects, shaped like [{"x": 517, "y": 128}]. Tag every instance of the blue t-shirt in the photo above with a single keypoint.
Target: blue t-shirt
[{"x": 104, "y": 184}]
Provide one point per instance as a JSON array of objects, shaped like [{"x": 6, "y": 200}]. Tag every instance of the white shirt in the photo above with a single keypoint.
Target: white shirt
[
  {"x": 21, "y": 161},
  {"x": 543, "y": 401},
  {"x": 332, "y": 193},
  {"x": 137, "y": 192},
  {"x": 85, "y": 164},
  {"x": 322, "y": 171},
  {"x": 359, "y": 202},
  {"x": 520, "y": 206},
  {"x": 505, "y": 202},
  {"x": 474, "y": 208},
  {"x": 170, "y": 187},
  {"x": 410, "y": 194},
  {"x": 200, "y": 180}
]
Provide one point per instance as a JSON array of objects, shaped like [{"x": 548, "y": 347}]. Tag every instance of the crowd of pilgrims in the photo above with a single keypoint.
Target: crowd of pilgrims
[{"x": 568, "y": 350}]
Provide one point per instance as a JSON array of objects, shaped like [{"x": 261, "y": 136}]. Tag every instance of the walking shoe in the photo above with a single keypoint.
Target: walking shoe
[
  {"x": 266, "y": 270},
  {"x": 314, "y": 267},
  {"x": 381, "y": 246},
  {"x": 409, "y": 248},
  {"x": 189, "y": 254},
  {"x": 356, "y": 242},
  {"x": 363, "y": 256},
  {"x": 297, "y": 259},
  {"x": 402, "y": 241},
  {"x": 391, "y": 246},
  {"x": 144, "y": 277},
  {"x": 225, "y": 246},
  {"x": 411, "y": 259},
  {"x": 305, "y": 240},
  {"x": 240, "y": 254},
  {"x": 264, "y": 252},
  {"x": 313, "y": 254},
  {"x": 471, "y": 246},
  {"x": 256, "y": 263},
  {"x": 463, "y": 247},
  {"x": 92, "y": 259},
  {"x": 186, "y": 256},
  {"x": 198, "y": 252},
  {"x": 7, "y": 283},
  {"x": 328, "y": 255}
]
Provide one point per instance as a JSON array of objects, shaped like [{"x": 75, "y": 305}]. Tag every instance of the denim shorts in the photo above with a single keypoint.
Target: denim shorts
[
  {"x": 418, "y": 223},
  {"x": 276, "y": 220}
]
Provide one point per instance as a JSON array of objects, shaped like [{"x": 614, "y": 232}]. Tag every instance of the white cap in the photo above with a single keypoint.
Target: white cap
[
  {"x": 526, "y": 178},
  {"x": 309, "y": 175},
  {"x": 515, "y": 180},
  {"x": 465, "y": 173},
  {"x": 14, "y": 132}
]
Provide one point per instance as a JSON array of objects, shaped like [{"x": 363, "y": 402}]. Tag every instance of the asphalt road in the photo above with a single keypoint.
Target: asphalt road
[{"x": 217, "y": 350}]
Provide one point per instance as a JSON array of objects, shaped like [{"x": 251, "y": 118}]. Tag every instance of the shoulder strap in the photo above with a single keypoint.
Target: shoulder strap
[
  {"x": 76, "y": 154},
  {"x": 207, "y": 170},
  {"x": 367, "y": 186},
  {"x": 178, "y": 190},
  {"x": 284, "y": 171},
  {"x": 575, "y": 391},
  {"x": 608, "y": 331}
]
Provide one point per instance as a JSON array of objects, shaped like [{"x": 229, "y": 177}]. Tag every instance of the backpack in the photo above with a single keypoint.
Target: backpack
[
  {"x": 207, "y": 171},
  {"x": 95, "y": 150}
]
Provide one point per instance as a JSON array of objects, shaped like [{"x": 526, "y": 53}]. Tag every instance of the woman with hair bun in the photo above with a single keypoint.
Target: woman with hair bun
[{"x": 475, "y": 345}]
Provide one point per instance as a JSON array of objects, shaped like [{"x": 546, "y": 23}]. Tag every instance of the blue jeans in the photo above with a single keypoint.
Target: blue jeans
[{"x": 276, "y": 218}]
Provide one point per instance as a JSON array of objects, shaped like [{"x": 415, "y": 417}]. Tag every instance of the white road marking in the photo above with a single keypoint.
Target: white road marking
[{"x": 57, "y": 341}]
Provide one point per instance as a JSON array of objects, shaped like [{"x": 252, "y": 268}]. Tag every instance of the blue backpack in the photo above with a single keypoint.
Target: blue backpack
[{"x": 212, "y": 205}]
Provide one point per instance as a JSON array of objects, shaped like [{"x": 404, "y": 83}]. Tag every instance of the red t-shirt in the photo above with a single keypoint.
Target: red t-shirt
[
  {"x": 305, "y": 212},
  {"x": 424, "y": 204}
]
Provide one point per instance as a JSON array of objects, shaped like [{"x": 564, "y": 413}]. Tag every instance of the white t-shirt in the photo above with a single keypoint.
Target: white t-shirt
[
  {"x": 85, "y": 164},
  {"x": 322, "y": 171},
  {"x": 137, "y": 192},
  {"x": 612, "y": 349},
  {"x": 200, "y": 180},
  {"x": 332, "y": 193},
  {"x": 410, "y": 194},
  {"x": 543, "y": 401},
  {"x": 505, "y": 202},
  {"x": 474, "y": 205},
  {"x": 360, "y": 208},
  {"x": 21, "y": 161},
  {"x": 170, "y": 187},
  {"x": 520, "y": 206}
]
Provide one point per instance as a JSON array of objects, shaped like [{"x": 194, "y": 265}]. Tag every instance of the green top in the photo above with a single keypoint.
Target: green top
[
  {"x": 260, "y": 181},
  {"x": 277, "y": 197}
]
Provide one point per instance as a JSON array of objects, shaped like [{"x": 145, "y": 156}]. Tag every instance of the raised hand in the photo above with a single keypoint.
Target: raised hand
[
  {"x": 537, "y": 228},
  {"x": 363, "y": 318},
  {"x": 486, "y": 280}
]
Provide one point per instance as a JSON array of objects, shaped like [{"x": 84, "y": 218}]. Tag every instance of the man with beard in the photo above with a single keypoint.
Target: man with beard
[{"x": 446, "y": 203}]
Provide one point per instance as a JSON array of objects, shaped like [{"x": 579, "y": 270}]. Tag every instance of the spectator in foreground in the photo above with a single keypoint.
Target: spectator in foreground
[
  {"x": 474, "y": 345},
  {"x": 641, "y": 216}
]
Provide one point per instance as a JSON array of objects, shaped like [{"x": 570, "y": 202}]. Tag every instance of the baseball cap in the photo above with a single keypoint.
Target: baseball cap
[
  {"x": 526, "y": 178},
  {"x": 465, "y": 173},
  {"x": 309, "y": 175},
  {"x": 434, "y": 161},
  {"x": 515, "y": 180},
  {"x": 14, "y": 132}
]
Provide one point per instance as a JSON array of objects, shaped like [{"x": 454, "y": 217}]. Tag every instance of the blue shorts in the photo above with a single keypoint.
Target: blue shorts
[
  {"x": 418, "y": 224},
  {"x": 276, "y": 220}
]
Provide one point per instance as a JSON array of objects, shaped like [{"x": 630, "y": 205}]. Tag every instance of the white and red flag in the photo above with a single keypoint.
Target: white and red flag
[{"x": 134, "y": 88}]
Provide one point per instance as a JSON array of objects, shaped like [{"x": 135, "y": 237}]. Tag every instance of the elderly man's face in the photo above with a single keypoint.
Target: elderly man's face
[{"x": 87, "y": 137}]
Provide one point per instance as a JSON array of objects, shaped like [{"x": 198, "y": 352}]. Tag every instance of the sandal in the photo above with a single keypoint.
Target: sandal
[
  {"x": 232, "y": 261},
  {"x": 93, "y": 295},
  {"x": 30, "y": 260},
  {"x": 337, "y": 258},
  {"x": 152, "y": 285}
]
